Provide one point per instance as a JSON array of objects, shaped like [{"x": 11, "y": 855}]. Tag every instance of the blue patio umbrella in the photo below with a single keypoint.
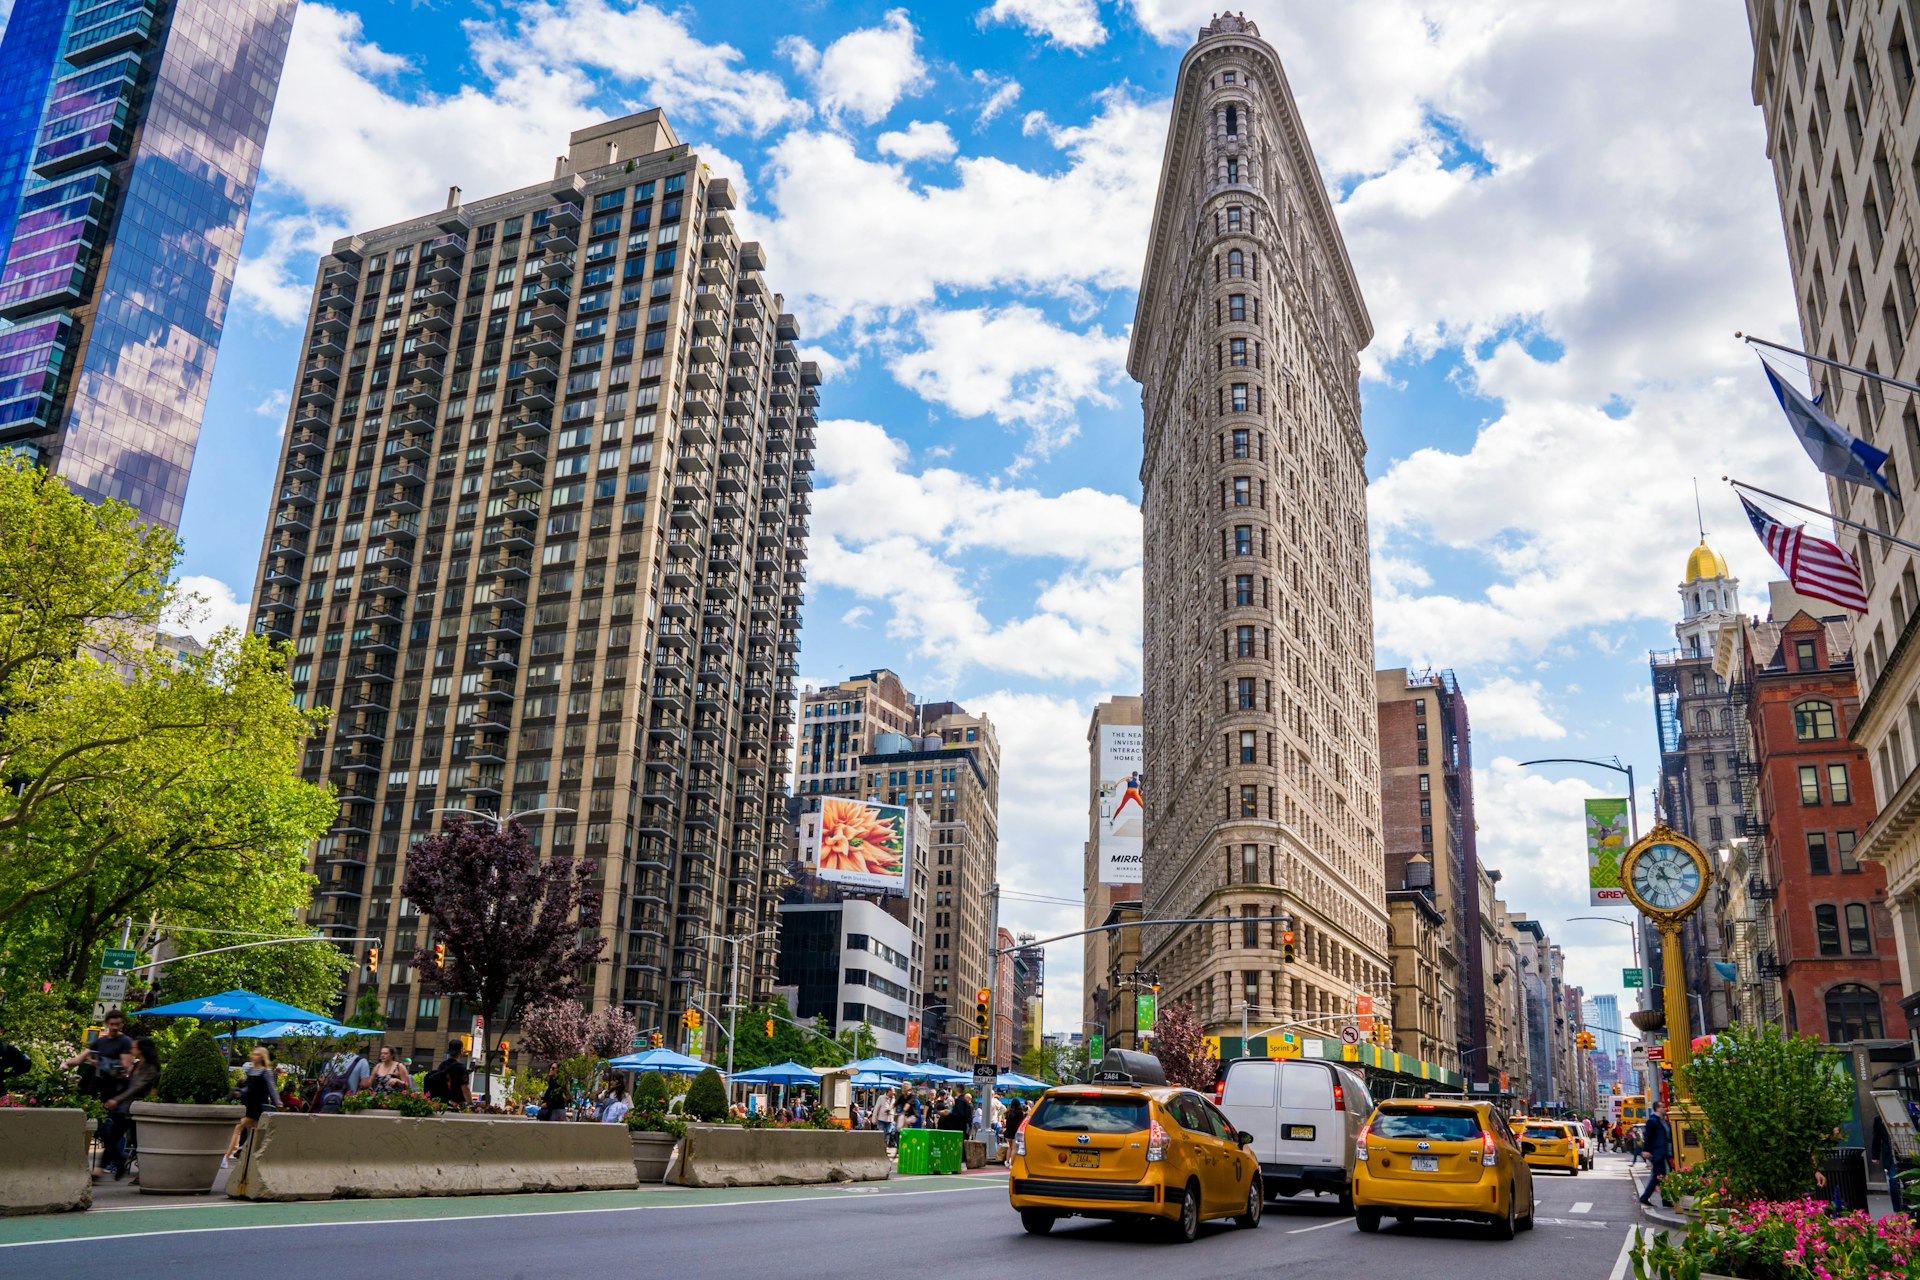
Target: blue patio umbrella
[
  {"x": 881, "y": 1065},
  {"x": 935, "y": 1073},
  {"x": 322, "y": 1029},
  {"x": 1018, "y": 1083},
  {"x": 234, "y": 1006},
  {"x": 781, "y": 1073},
  {"x": 663, "y": 1060}
]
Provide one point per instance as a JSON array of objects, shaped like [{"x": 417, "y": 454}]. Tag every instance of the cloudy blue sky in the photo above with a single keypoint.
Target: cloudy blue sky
[{"x": 1559, "y": 210}]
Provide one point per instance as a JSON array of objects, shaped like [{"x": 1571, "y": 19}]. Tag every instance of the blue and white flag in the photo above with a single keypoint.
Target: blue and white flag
[{"x": 1833, "y": 449}]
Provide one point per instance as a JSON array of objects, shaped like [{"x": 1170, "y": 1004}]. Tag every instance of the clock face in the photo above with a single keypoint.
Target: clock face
[{"x": 1665, "y": 877}]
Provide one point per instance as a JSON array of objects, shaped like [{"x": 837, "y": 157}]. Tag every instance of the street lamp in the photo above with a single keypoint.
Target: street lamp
[
  {"x": 1633, "y": 800},
  {"x": 496, "y": 820},
  {"x": 943, "y": 1006},
  {"x": 733, "y": 1001}
]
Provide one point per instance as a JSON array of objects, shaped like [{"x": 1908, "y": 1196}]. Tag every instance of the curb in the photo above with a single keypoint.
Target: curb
[{"x": 1655, "y": 1213}]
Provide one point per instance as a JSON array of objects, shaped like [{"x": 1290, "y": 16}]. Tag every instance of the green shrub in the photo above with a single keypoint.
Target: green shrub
[
  {"x": 195, "y": 1073},
  {"x": 1772, "y": 1103},
  {"x": 707, "y": 1098},
  {"x": 650, "y": 1089},
  {"x": 654, "y": 1119}
]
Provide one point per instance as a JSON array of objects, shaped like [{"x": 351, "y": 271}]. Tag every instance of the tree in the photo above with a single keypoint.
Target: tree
[
  {"x": 517, "y": 930},
  {"x": 707, "y": 1099},
  {"x": 1052, "y": 1063},
  {"x": 1772, "y": 1103},
  {"x": 1182, "y": 1049},
  {"x": 611, "y": 1032},
  {"x": 305, "y": 974},
  {"x": 553, "y": 1030},
  {"x": 858, "y": 1041}
]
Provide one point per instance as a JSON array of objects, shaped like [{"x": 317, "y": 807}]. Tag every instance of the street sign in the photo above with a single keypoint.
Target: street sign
[
  {"x": 1633, "y": 979},
  {"x": 1210, "y": 1047},
  {"x": 118, "y": 959},
  {"x": 1349, "y": 1034},
  {"x": 1656, "y": 1053},
  {"x": 984, "y": 1072},
  {"x": 113, "y": 987}
]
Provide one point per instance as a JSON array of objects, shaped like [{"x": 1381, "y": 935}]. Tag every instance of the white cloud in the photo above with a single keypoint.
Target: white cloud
[
  {"x": 1001, "y": 92},
  {"x": 208, "y": 605},
  {"x": 856, "y": 616},
  {"x": 921, "y": 140},
  {"x": 275, "y": 404},
  {"x": 1014, "y": 364},
  {"x": 1510, "y": 708},
  {"x": 1071, "y": 24},
  {"x": 865, "y": 72}
]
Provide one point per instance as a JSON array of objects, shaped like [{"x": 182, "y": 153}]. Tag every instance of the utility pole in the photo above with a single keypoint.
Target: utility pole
[{"x": 983, "y": 1112}]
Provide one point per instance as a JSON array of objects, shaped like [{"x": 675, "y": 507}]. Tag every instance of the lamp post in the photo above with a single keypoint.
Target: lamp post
[
  {"x": 1633, "y": 800},
  {"x": 733, "y": 999},
  {"x": 496, "y": 820},
  {"x": 943, "y": 1006}
]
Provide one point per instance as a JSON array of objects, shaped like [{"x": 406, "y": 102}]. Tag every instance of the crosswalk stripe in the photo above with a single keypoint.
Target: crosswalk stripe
[{"x": 1585, "y": 1206}]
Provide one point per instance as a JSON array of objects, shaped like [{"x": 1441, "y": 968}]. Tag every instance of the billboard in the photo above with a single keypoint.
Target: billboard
[
  {"x": 862, "y": 844},
  {"x": 1122, "y": 802},
  {"x": 1606, "y": 845}
]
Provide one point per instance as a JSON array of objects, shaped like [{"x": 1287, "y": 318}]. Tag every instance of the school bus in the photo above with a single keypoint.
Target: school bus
[{"x": 1630, "y": 1109}]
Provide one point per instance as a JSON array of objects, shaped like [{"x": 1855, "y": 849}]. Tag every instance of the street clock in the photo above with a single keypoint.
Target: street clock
[{"x": 1666, "y": 875}]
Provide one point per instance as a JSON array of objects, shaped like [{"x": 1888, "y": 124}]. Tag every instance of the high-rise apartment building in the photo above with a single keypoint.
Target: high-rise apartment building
[
  {"x": 1262, "y": 780},
  {"x": 130, "y": 140},
  {"x": 1432, "y": 863},
  {"x": 1109, "y": 957},
  {"x": 841, "y": 722},
  {"x": 1835, "y": 83},
  {"x": 539, "y": 542}
]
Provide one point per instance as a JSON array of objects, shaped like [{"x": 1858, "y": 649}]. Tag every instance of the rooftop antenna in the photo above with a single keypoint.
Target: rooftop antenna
[{"x": 1697, "y": 514}]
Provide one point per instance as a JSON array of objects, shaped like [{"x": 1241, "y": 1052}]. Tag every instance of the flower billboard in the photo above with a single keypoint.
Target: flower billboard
[{"x": 862, "y": 844}]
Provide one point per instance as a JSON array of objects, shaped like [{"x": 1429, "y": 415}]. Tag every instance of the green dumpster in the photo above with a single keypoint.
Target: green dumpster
[
  {"x": 946, "y": 1150},
  {"x": 916, "y": 1151}
]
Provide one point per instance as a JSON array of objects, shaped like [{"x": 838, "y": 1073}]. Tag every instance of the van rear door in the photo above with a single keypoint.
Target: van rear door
[
  {"x": 1251, "y": 1100},
  {"x": 1312, "y": 1131}
]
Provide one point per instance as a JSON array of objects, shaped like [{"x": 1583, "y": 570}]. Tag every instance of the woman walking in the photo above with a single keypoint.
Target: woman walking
[{"x": 257, "y": 1095}]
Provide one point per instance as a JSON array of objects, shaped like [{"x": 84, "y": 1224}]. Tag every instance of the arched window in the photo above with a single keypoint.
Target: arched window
[
  {"x": 1236, "y": 263},
  {"x": 1696, "y": 602},
  {"x": 1853, "y": 1013},
  {"x": 1813, "y": 720},
  {"x": 1710, "y": 604}
]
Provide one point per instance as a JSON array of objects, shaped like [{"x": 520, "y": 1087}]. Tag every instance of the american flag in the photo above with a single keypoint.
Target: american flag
[{"x": 1814, "y": 566}]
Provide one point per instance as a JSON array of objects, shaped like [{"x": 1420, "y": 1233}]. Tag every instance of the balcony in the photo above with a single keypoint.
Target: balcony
[
  {"x": 498, "y": 689},
  {"x": 413, "y": 446},
  {"x": 564, "y": 215},
  {"x": 435, "y": 319},
  {"x": 555, "y": 293},
  {"x": 335, "y": 320},
  {"x": 292, "y": 519},
  {"x": 360, "y": 760},
  {"x": 488, "y": 748},
  {"x": 506, "y": 567},
  {"x": 419, "y": 394},
  {"x": 562, "y": 239},
  {"x": 386, "y": 582},
  {"x": 545, "y": 371},
  {"x": 422, "y": 370},
  {"x": 318, "y": 392},
  {"x": 447, "y": 246},
  {"x": 558, "y": 267},
  {"x": 535, "y": 396},
  {"x": 500, "y": 658},
  {"x": 437, "y": 295},
  {"x": 544, "y": 342},
  {"x": 428, "y": 344},
  {"x": 550, "y": 318}
]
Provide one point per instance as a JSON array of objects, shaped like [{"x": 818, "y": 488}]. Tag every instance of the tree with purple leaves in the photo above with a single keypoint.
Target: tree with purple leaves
[
  {"x": 1180, "y": 1044},
  {"x": 517, "y": 930}
]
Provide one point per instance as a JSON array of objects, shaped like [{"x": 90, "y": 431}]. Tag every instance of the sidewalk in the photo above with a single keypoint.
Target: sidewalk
[{"x": 1877, "y": 1203}]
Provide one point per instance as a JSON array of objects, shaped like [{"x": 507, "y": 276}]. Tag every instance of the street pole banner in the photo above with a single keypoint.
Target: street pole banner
[
  {"x": 1143, "y": 1011},
  {"x": 1606, "y": 845},
  {"x": 1123, "y": 802}
]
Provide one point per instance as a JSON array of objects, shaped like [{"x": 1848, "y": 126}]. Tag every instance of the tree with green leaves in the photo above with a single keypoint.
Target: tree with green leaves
[
  {"x": 304, "y": 971},
  {"x": 1052, "y": 1063},
  {"x": 707, "y": 1098},
  {"x": 1773, "y": 1102},
  {"x": 140, "y": 783}
]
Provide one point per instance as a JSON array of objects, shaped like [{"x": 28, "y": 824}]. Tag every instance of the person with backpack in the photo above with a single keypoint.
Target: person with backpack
[
  {"x": 346, "y": 1073},
  {"x": 553, "y": 1103},
  {"x": 447, "y": 1083}
]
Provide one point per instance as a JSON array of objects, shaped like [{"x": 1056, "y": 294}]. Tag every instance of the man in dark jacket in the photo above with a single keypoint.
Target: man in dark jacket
[{"x": 1659, "y": 1149}]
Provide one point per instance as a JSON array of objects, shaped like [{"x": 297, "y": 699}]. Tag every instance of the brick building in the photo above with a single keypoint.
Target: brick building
[{"x": 1835, "y": 961}]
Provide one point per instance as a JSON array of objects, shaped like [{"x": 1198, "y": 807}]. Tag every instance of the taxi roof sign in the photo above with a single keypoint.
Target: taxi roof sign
[{"x": 1129, "y": 1066}]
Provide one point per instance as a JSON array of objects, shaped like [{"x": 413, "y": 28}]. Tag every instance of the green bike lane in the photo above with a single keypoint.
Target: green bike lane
[{"x": 177, "y": 1217}]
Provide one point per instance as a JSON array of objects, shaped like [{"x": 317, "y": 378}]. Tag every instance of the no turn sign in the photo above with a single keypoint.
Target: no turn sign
[{"x": 1350, "y": 1034}]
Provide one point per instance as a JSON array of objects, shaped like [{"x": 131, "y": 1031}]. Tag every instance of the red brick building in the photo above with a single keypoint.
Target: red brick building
[{"x": 1834, "y": 947}]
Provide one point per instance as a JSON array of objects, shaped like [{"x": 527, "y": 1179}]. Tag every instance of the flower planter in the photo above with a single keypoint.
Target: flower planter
[
  {"x": 180, "y": 1145},
  {"x": 381, "y": 1112},
  {"x": 651, "y": 1152}
]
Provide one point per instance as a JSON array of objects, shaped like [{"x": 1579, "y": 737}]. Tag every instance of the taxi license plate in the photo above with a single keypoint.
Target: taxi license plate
[
  {"x": 1083, "y": 1159},
  {"x": 1426, "y": 1164}
]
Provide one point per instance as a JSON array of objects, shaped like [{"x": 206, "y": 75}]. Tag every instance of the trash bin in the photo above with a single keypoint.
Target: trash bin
[
  {"x": 946, "y": 1150},
  {"x": 916, "y": 1151},
  {"x": 1846, "y": 1171}
]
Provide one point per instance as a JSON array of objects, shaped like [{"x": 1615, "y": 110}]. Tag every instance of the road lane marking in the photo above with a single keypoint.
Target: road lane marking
[
  {"x": 474, "y": 1217},
  {"x": 1573, "y": 1222},
  {"x": 1337, "y": 1222},
  {"x": 1585, "y": 1206},
  {"x": 1626, "y": 1255}
]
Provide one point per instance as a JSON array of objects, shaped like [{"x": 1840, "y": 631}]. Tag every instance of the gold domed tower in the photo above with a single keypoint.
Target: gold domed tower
[{"x": 1709, "y": 600}]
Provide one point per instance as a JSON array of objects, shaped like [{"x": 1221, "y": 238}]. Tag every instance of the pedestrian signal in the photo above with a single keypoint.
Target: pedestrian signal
[{"x": 1286, "y": 946}]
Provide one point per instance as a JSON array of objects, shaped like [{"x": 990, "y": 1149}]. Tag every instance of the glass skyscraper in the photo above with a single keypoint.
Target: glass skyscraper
[{"x": 130, "y": 141}]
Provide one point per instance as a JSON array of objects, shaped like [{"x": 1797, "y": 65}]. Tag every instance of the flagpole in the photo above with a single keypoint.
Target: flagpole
[
  {"x": 1882, "y": 534},
  {"x": 1836, "y": 364}
]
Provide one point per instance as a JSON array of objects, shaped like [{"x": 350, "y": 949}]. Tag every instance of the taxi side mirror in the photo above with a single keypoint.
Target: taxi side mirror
[
  {"x": 1527, "y": 1148},
  {"x": 1243, "y": 1138}
]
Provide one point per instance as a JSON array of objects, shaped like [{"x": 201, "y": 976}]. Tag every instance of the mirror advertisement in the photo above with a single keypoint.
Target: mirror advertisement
[{"x": 1123, "y": 804}]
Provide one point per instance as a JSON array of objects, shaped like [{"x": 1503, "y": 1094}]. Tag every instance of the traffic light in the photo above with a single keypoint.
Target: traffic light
[
  {"x": 373, "y": 960},
  {"x": 1286, "y": 946},
  {"x": 505, "y": 1049},
  {"x": 439, "y": 953},
  {"x": 977, "y": 1046},
  {"x": 980, "y": 1018},
  {"x": 466, "y": 1044},
  {"x": 690, "y": 1019},
  {"x": 1616, "y": 1088},
  {"x": 655, "y": 1040}
]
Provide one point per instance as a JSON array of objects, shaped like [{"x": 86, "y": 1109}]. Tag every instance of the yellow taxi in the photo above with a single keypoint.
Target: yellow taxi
[
  {"x": 1441, "y": 1158},
  {"x": 1553, "y": 1145},
  {"x": 1131, "y": 1146}
]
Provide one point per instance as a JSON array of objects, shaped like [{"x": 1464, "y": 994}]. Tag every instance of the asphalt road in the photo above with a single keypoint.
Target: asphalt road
[{"x": 924, "y": 1229}]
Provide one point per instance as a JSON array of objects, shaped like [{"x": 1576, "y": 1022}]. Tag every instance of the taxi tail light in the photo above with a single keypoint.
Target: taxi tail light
[
  {"x": 1360, "y": 1146},
  {"x": 1488, "y": 1155},
  {"x": 1156, "y": 1141},
  {"x": 1020, "y": 1139}
]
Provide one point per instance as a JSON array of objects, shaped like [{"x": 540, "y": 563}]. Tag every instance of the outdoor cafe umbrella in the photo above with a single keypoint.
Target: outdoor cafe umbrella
[
  {"x": 1013, "y": 1080},
  {"x": 662, "y": 1060},
  {"x": 284, "y": 1029},
  {"x": 881, "y": 1065},
  {"x": 935, "y": 1073},
  {"x": 233, "y": 1006},
  {"x": 785, "y": 1074}
]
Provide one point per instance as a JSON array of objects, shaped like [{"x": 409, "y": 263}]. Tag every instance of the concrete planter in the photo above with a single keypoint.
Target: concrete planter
[
  {"x": 719, "y": 1155},
  {"x": 38, "y": 1173},
  {"x": 180, "y": 1145},
  {"x": 651, "y": 1152}
]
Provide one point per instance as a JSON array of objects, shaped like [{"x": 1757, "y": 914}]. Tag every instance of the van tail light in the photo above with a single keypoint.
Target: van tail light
[
  {"x": 1360, "y": 1145},
  {"x": 1020, "y": 1139},
  {"x": 1487, "y": 1152},
  {"x": 1339, "y": 1097},
  {"x": 1156, "y": 1142},
  {"x": 1219, "y": 1090}
]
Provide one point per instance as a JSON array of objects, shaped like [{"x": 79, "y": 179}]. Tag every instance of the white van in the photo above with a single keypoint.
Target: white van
[{"x": 1305, "y": 1117}]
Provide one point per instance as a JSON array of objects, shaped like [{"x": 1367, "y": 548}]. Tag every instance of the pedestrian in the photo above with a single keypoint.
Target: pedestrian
[
  {"x": 1659, "y": 1149},
  {"x": 617, "y": 1106},
  {"x": 883, "y": 1117},
  {"x": 553, "y": 1103},
  {"x": 99, "y": 1062},
  {"x": 13, "y": 1061},
  {"x": 1016, "y": 1116},
  {"x": 346, "y": 1072},
  {"x": 389, "y": 1074},
  {"x": 447, "y": 1083},
  {"x": 257, "y": 1095},
  {"x": 960, "y": 1115},
  {"x": 139, "y": 1073}
]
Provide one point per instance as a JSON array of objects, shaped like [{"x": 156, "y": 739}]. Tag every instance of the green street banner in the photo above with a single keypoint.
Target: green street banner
[
  {"x": 1143, "y": 1010},
  {"x": 1606, "y": 845},
  {"x": 1096, "y": 1047}
]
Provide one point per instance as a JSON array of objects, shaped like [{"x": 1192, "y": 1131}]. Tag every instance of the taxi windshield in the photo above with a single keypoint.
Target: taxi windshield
[
  {"x": 1437, "y": 1125},
  {"x": 1090, "y": 1115}
]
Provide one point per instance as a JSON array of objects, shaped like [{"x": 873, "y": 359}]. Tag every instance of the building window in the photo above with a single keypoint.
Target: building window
[
  {"x": 1817, "y": 853},
  {"x": 1426, "y": 783},
  {"x": 1236, "y": 306},
  {"x": 1813, "y": 721},
  {"x": 1713, "y": 792},
  {"x": 1237, "y": 353},
  {"x": 1853, "y": 1013},
  {"x": 1839, "y": 789},
  {"x": 1809, "y": 784},
  {"x": 1249, "y": 801},
  {"x": 1826, "y": 929},
  {"x": 1242, "y": 491},
  {"x": 1239, "y": 400},
  {"x": 1250, "y": 935},
  {"x": 1242, "y": 446},
  {"x": 1699, "y": 685},
  {"x": 1243, "y": 540},
  {"x": 1243, "y": 589},
  {"x": 1243, "y": 693},
  {"x": 1233, "y": 169},
  {"x": 1715, "y": 826},
  {"x": 1843, "y": 842},
  {"x": 1804, "y": 656},
  {"x": 1247, "y": 750},
  {"x": 1236, "y": 261},
  {"x": 1233, "y": 122},
  {"x": 1426, "y": 836},
  {"x": 1859, "y": 935},
  {"x": 1243, "y": 642}
]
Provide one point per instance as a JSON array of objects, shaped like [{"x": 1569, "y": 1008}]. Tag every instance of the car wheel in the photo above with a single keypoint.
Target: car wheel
[
  {"x": 1037, "y": 1221},
  {"x": 1345, "y": 1203},
  {"x": 1256, "y": 1203},
  {"x": 1186, "y": 1228},
  {"x": 1503, "y": 1226},
  {"x": 1367, "y": 1220}
]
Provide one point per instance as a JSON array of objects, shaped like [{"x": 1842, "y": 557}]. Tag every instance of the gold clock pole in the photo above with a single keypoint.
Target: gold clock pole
[{"x": 1666, "y": 877}]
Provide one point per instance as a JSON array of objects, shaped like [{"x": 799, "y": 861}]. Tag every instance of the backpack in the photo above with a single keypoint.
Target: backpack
[
  {"x": 438, "y": 1084},
  {"x": 333, "y": 1084}
]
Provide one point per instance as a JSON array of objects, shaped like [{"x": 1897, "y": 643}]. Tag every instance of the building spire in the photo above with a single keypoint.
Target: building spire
[{"x": 1698, "y": 515}]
